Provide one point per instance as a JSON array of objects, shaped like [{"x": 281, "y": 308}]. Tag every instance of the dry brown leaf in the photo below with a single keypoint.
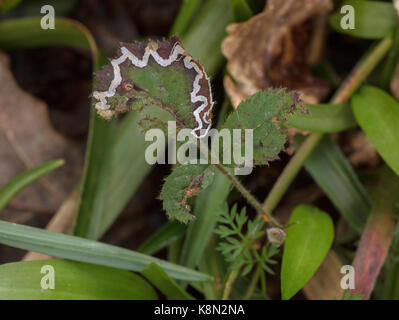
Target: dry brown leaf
[
  {"x": 269, "y": 50},
  {"x": 61, "y": 222},
  {"x": 27, "y": 139},
  {"x": 326, "y": 282}
]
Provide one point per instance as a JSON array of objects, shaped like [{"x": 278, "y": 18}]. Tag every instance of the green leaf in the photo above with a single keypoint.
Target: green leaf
[
  {"x": 30, "y": 8},
  {"x": 26, "y": 33},
  {"x": 307, "y": 243},
  {"x": 147, "y": 84},
  {"x": 324, "y": 118},
  {"x": 183, "y": 183},
  {"x": 373, "y": 19},
  {"x": 163, "y": 237},
  {"x": 84, "y": 250},
  {"x": 332, "y": 172},
  {"x": 160, "y": 280},
  {"x": 72, "y": 281},
  {"x": 378, "y": 115},
  {"x": 17, "y": 184},
  {"x": 257, "y": 113}
]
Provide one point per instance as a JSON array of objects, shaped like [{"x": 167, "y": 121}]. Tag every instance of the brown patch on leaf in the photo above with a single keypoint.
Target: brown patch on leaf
[
  {"x": 28, "y": 139},
  {"x": 269, "y": 50},
  {"x": 192, "y": 190}
]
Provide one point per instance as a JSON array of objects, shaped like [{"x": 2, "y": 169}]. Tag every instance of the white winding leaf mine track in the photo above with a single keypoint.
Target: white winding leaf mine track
[{"x": 164, "y": 54}]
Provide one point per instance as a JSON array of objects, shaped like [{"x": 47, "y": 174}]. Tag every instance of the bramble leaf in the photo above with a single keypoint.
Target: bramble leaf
[
  {"x": 183, "y": 183},
  {"x": 265, "y": 113},
  {"x": 160, "y": 75}
]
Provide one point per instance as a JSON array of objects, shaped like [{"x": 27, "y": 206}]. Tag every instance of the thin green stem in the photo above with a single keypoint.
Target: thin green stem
[
  {"x": 352, "y": 82},
  {"x": 263, "y": 284},
  {"x": 248, "y": 196},
  {"x": 229, "y": 283}
]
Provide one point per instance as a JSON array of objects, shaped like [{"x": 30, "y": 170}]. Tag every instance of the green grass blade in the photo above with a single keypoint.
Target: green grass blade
[
  {"x": 26, "y": 33},
  {"x": 324, "y": 118},
  {"x": 17, "y": 184},
  {"x": 7, "y": 5},
  {"x": 241, "y": 10},
  {"x": 206, "y": 34},
  {"x": 84, "y": 250},
  {"x": 160, "y": 280},
  {"x": 96, "y": 175},
  {"x": 127, "y": 156},
  {"x": 206, "y": 209},
  {"x": 390, "y": 63},
  {"x": 165, "y": 236},
  {"x": 332, "y": 172},
  {"x": 183, "y": 19},
  {"x": 72, "y": 281}
]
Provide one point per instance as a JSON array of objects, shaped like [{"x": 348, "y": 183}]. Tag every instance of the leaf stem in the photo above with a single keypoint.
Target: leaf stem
[
  {"x": 248, "y": 196},
  {"x": 252, "y": 284}
]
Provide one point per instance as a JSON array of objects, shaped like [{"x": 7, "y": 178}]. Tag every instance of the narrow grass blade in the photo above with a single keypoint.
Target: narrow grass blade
[
  {"x": 160, "y": 280},
  {"x": 241, "y": 10},
  {"x": 206, "y": 209},
  {"x": 84, "y": 250},
  {"x": 26, "y": 33},
  {"x": 166, "y": 235},
  {"x": 184, "y": 17},
  {"x": 72, "y": 281},
  {"x": 332, "y": 172},
  {"x": 377, "y": 113},
  {"x": 17, "y": 184}
]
